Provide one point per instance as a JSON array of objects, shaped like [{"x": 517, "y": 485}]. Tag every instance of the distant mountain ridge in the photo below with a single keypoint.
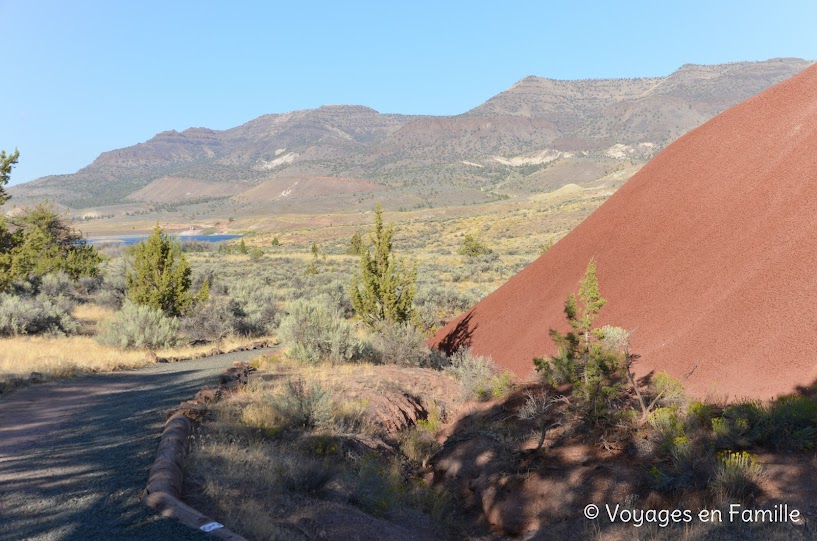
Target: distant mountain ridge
[{"x": 500, "y": 148}]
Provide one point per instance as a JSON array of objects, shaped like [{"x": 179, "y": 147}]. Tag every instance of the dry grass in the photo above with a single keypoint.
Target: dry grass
[
  {"x": 92, "y": 312},
  {"x": 67, "y": 356},
  {"x": 249, "y": 460}
]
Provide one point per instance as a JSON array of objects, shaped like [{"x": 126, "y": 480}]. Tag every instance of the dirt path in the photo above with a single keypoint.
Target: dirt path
[{"x": 74, "y": 455}]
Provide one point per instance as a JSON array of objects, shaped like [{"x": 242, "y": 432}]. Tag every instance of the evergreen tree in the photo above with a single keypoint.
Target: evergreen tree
[
  {"x": 7, "y": 162},
  {"x": 356, "y": 244},
  {"x": 39, "y": 242},
  {"x": 203, "y": 294},
  {"x": 383, "y": 289},
  {"x": 584, "y": 360},
  {"x": 312, "y": 268},
  {"x": 161, "y": 275},
  {"x": 275, "y": 241},
  {"x": 242, "y": 247}
]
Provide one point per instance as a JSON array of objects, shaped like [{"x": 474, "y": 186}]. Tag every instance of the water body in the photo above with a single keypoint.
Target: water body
[{"x": 133, "y": 239}]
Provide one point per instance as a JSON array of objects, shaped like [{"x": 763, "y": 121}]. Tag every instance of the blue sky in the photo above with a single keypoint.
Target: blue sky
[{"x": 81, "y": 78}]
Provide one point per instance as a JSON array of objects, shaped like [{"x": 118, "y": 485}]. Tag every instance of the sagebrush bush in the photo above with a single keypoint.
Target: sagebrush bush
[
  {"x": 114, "y": 286},
  {"x": 57, "y": 284},
  {"x": 210, "y": 321},
  {"x": 401, "y": 344},
  {"x": 314, "y": 331},
  {"x": 255, "y": 307},
  {"x": 474, "y": 372},
  {"x": 21, "y": 315},
  {"x": 139, "y": 326},
  {"x": 298, "y": 405}
]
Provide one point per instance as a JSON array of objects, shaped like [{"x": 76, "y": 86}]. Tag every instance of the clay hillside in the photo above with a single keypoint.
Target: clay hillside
[
  {"x": 535, "y": 137},
  {"x": 708, "y": 253}
]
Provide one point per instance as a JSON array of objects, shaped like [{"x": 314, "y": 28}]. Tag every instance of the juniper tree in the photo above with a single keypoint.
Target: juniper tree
[
  {"x": 40, "y": 241},
  {"x": 161, "y": 275},
  {"x": 583, "y": 359},
  {"x": 7, "y": 163},
  {"x": 356, "y": 244},
  {"x": 383, "y": 289}
]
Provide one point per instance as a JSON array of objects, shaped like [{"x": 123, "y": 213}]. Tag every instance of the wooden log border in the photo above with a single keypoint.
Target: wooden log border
[{"x": 166, "y": 476}]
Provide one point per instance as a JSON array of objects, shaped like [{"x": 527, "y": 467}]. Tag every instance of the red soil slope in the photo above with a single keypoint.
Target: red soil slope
[{"x": 709, "y": 253}]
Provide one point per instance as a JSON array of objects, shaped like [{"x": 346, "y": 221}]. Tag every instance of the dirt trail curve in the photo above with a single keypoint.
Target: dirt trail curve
[{"x": 74, "y": 455}]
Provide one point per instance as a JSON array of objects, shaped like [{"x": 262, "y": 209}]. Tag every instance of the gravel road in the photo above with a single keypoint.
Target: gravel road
[{"x": 74, "y": 455}]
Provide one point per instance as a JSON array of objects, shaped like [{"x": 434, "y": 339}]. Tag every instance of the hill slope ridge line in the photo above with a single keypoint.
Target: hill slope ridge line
[{"x": 708, "y": 253}]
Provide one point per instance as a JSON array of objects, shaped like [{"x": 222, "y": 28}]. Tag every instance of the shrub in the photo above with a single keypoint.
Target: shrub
[
  {"x": 114, "y": 283},
  {"x": 668, "y": 426},
  {"x": 35, "y": 315},
  {"x": 139, "y": 326},
  {"x": 472, "y": 247},
  {"x": 88, "y": 285},
  {"x": 213, "y": 320},
  {"x": 299, "y": 406},
  {"x": 255, "y": 307},
  {"x": 501, "y": 384},
  {"x": 792, "y": 422},
  {"x": 742, "y": 425},
  {"x": 401, "y": 344},
  {"x": 737, "y": 476},
  {"x": 314, "y": 331},
  {"x": 57, "y": 283},
  {"x": 474, "y": 372}
]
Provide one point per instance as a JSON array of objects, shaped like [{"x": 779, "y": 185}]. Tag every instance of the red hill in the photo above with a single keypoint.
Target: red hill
[{"x": 709, "y": 253}]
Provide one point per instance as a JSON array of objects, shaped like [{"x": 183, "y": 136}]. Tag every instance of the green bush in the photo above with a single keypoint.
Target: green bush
[
  {"x": 314, "y": 331},
  {"x": 792, "y": 423},
  {"x": 383, "y": 289},
  {"x": 741, "y": 425},
  {"x": 594, "y": 371},
  {"x": 23, "y": 315},
  {"x": 501, "y": 384},
  {"x": 138, "y": 326},
  {"x": 472, "y": 247}
]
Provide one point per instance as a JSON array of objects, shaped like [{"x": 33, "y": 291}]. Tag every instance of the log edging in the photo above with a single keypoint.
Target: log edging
[{"x": 166, "y": 476}]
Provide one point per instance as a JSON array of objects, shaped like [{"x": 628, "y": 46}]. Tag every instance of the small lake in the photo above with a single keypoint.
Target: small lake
[{"x": 128, "y": 240}]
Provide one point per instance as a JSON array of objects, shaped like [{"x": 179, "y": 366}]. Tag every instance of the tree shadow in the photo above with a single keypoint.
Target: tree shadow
[
  {"x": 460, "y": 336},
  {"x": 491, "y": 466}
]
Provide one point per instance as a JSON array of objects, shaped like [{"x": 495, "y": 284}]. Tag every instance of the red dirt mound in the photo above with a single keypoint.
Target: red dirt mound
[{"x": 709, "y": 253}]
